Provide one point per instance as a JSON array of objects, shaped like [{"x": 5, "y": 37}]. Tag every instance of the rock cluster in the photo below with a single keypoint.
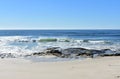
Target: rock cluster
[
  {"x": 77, "y": 52},
  {"x": 67, "y": 53}
]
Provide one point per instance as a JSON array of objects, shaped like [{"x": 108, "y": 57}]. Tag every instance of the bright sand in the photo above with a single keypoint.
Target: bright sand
[{"x": 98, "y": 68}]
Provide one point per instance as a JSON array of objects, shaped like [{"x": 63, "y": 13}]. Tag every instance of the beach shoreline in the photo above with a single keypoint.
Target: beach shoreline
[{"x": 89, "y": 68}]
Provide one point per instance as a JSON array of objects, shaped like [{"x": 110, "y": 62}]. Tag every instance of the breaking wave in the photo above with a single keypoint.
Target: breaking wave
[{"x": 25, "y": 45}]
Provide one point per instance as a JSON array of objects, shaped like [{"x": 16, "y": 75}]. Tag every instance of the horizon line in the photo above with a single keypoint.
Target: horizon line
[{"x": 55, "y": 29}]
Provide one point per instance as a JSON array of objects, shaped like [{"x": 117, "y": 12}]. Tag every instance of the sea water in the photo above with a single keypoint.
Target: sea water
[{"x": 25, "y": 42}]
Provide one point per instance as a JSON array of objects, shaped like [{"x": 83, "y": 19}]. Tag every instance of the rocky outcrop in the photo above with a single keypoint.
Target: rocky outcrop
[
  {"x": 50, "y": 51},
  {"x": 77, "y": 52},
  {"x": 67, "y": 53}
]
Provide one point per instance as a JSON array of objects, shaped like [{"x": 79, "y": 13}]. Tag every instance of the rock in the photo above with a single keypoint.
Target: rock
[
  {"x": 80, "y": 52},
  {"x": 73, "y": 50},
  {"x": 85, "y": 40},
  {"x": 54, "y": 51},
  {"x": 76, "y": 52},
  {"x": 49, "y": 51},
  {"x": 116, "y": 54},
  {"x": 34, "y": 41},
  {"x": 7, "y": 55},
  {"x": 38, "y": 54}
]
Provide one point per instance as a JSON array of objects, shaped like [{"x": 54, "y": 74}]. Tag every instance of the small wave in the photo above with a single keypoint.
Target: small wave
[
  {"x": 12, "y": 38},
  {"x": 54, "y": 40},
  {"x": 18, "y": 45},
  {"x": 48, "y": 40},
  {"x": 93, "y": 41}
]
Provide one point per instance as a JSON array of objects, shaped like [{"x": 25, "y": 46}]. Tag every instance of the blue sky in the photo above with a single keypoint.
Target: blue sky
[{"x": 59, "y": 14}]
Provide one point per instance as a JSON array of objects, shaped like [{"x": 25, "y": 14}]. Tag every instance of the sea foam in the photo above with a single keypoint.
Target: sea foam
[{"x": 24, "y": 45}]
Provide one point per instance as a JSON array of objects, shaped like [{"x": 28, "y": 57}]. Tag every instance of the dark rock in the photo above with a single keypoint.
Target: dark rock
[
  {"x": 117, "y": 54},
  {"x": 49, "y": 51},
  {"x": 33, "y": 40},
  {"x": 85, "y": 40},
  {"x": 55, "y": 52},
  {"x": 53, "y": 48},
  {"x": 80, "y": 52},
  {"x": 76, "y": 52},
  {"x": 39, "y": 53},
  {"x": 7, "y": 55}
]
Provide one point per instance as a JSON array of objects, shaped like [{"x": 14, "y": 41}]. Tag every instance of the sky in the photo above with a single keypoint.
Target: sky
[{"x": 59, "y": 14}]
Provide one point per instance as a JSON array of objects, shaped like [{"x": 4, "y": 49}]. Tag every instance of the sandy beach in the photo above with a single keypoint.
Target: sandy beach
[{"x": 98, "y": 68}]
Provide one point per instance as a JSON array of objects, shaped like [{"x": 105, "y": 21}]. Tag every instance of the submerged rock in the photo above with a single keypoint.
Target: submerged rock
[
  {"x": 33, "y": 40},
  {"x": 85, "y": 40}
]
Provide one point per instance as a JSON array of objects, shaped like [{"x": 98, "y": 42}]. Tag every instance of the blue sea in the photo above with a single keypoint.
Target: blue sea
[{"x": 23, "y": 42}]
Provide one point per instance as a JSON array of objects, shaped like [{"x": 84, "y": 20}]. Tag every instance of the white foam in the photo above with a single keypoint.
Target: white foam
[
  {"x": 12, "y": 38},
  {"x": 95, "y": 41},
  {"x": 6, "y": 47}
]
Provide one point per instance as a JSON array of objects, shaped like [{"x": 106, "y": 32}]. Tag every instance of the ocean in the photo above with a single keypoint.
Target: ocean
[{"x": 23, "y": 42}]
